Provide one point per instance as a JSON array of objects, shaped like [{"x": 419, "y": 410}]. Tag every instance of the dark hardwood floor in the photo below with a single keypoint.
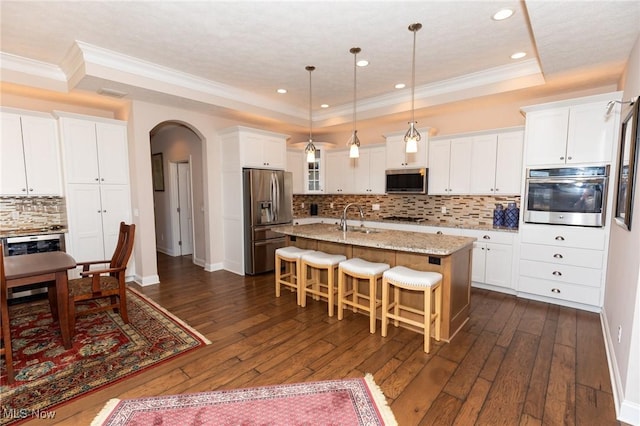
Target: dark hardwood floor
[{"x": 516, "y": 362}]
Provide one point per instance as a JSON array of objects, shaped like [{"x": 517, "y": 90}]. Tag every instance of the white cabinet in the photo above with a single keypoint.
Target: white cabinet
[
  {"x": 571, "y": 132},
  {"x": 563, "y": 264},
  {"x": 257, "y": 148},
  {"x": 369, "y": 172},
  {"x": 96, "y": 168},
  {"x": 94, "y": 214},
  {"x": 94, "y": 152},
  {"x": 450, "y": 166},
  {"x": 397, "y": 158},
  {"x": 492, "y": 259},
  {"x": 340, "y": 173},
  {"x": 496, "y": 164},
  {"x": 363, "y": 175},
  {"x": 295, "y": 163},
  {"x": 30, "y": 163},
  {"x": 308, "y": 178}
]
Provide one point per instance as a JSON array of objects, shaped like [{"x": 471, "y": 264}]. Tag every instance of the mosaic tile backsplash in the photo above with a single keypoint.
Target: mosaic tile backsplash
[
  {"x": 32, "y": 212},
  {"x": 461, "y": 210}
]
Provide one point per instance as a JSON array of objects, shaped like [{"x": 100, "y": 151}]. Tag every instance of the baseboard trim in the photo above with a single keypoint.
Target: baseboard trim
[{"x": 148, "y": 280}]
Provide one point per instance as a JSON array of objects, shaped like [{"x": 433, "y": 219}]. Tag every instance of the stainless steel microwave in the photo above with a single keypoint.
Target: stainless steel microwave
[
  {"x": 406, "y": 181},
  {"x": 566, "y": 196}
]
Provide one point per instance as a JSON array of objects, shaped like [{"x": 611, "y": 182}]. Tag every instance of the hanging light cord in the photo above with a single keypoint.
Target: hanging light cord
[
  {"x": 355, "y": 51},
  {"x": 415, "y": 28},
  {"x": 310, "y": 68}
]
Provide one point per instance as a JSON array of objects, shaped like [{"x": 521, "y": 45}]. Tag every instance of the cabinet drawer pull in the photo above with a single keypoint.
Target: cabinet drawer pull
[
  {"x": 555, "y": 290},
  {"x": 558, "y": 256},
  {"x": 24, "y": 189},
  {"x": 439, "y": 232},
  {"x": 559, "y": 238},
  {"x": 557, "y": 273},
  {"x": 562, "y": 158},
  {"x": 486, "y": 237}
]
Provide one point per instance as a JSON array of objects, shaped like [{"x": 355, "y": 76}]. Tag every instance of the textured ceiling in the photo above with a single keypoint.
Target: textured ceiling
[{"x": 236, "y": 54}]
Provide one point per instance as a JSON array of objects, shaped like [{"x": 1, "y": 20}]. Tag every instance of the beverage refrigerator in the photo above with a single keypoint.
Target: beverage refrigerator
[{"x": 267, "y": 203}]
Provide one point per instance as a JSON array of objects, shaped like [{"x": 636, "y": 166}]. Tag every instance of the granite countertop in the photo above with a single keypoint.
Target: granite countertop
[
  {"x": 22, "y": 232},
  {"x": 414, "y": 242}
]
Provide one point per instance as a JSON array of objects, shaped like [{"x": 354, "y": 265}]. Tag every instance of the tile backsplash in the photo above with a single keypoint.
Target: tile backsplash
[
  {"x": 460, "y": 210},
  {"x": 32, "y": 212}
]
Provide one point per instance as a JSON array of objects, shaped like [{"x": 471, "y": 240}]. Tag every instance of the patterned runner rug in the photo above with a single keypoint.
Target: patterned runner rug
[
  {"x": 104, "y": 351},
  {"x": 333, "y": 402}
]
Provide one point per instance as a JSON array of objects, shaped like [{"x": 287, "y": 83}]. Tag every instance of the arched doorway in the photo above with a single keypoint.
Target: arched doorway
[{"x": 178, "y": 195}]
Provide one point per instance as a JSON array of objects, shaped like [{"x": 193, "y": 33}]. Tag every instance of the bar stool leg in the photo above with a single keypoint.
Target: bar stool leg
[
  {"x": 396, "y": 305},
  {"x": 341, "y": 284},
  {"x": 372, "y": 303},
  {"x": 303, "y": 284},
  {"x": 427, "y": 320},
  {"x": 330, "y": 286},
  {"x": 278, "y": 275},
  {"x": 385, "y": 306},
  {"x": 438, "y": 311}
]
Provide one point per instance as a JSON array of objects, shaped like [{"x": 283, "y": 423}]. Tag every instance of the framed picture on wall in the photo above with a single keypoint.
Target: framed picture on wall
[
  {"x": 157, "y": 172},
  {"x": 627, "y": 165}
]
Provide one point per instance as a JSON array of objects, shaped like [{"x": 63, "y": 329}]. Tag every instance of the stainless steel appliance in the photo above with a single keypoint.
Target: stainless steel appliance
[
  {"x": 27, "y": 244},
  {"x": 567, "y": 196},
  {"x": 267, "y": 203},
  {"x": 406, "y": 181}
]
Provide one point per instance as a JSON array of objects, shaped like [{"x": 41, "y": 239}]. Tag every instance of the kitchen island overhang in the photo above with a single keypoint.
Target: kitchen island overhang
[{"x": 447, "y": 254}]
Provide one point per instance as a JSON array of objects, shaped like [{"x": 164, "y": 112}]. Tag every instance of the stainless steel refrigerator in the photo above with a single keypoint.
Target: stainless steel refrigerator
[{"x": 267, "y": 203}]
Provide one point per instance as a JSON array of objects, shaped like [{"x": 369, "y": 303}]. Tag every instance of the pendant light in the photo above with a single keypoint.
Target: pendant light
[
  {"x": 310, "y": 149},
  {"x": 412, "y": 137},
  {"x": 354, "y": 142}
]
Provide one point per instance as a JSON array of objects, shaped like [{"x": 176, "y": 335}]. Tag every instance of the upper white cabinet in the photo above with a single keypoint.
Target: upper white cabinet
[
  {"x": 308, "y": 178},
  {"x": 450, "y": 166},
  {"x": 363, "y": 175},
  {"x": 95, "y": 151},
  {"x": 496, "y": 164},
  {"x": 487, "y": 163},
  {"x": 259, "y": 149},
  {"x": 397, "y": 158},
  {"x": 295, "y": 159},
  {"x": 369, "y": 172},
  {"x": 30, "y": 162},
  {"x": 576, "y": 131}
]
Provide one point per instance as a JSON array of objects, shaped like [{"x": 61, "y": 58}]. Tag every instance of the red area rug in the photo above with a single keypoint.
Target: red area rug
[
  {"x": 333, "y": 402},
  {"x": 105, "y": 350}
]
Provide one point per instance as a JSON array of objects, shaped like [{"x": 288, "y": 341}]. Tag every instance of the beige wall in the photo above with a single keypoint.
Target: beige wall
[{"x": 622, "y": 294}]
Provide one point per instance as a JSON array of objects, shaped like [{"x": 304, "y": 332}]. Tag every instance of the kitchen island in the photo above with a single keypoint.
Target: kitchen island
[{"x": 446, "y": 254}]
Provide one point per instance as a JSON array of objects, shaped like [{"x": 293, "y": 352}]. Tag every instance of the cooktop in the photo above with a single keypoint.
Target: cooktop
[{"x": 405, "y": 218}]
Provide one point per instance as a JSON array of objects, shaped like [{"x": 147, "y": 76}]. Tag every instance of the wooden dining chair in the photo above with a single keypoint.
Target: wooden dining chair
[
  {"x": 5, "y": 349},
  {"x": 104, "y": 283}
]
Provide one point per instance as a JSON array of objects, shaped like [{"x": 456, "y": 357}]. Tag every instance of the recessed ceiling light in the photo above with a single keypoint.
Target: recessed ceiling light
[
  {"x": 362, "y": 63},
  {"x": 281, "y": 91},
  {"x": 324, "y": 106},
  {"x": 518, "y": 55},
  {"x": 400, "y": 86},
  {"x": 502, "y": 14}
]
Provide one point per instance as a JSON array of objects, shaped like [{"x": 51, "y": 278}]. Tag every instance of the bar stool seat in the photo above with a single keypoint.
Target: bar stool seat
[
  {"x": 410, "y": 280},
  {"x": 316, "y": 262},
  {"x": 358, "y": 269},
  {"x": 289, "y": 257}
]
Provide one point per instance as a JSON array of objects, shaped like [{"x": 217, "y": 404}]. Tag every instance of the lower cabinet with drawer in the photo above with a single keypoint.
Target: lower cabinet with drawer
[
  {"x": 562, "y": 265},
  {"x": 492, "y": 259}
]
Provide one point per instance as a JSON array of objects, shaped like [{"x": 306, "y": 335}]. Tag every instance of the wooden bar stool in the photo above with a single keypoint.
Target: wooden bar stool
[
  {"x": 289, "y": 257},
  {"x": 319, "y": 261},
  {"x": 359, "y": 269},
  {"x": 406, "y": 279}
]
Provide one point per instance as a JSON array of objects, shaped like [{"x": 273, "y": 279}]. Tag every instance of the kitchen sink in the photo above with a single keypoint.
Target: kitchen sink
[{"x": 360, "y": 229}]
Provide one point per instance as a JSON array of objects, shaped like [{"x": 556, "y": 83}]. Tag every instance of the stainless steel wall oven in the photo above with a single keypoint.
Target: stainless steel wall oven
[{"x": 566, "y": 196}]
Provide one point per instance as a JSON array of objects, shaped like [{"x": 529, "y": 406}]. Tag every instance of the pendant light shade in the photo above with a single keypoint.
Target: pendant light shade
[
  {"x": 354, "y": 142},
  {"x": 412, "y": 137},
  {"x": 310, "y": 149}
]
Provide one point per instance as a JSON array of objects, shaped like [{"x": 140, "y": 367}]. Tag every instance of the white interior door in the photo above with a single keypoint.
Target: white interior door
[{"x": 185, "y": 222}]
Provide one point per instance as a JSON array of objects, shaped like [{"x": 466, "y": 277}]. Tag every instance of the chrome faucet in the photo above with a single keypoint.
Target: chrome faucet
[{"x": 343, "y": 220}]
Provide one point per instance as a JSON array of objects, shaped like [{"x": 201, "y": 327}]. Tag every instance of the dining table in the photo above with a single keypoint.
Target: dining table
[{"x": 51, "y": 268}]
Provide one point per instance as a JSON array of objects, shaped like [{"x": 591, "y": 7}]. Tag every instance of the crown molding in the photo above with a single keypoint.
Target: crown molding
[
  {"x": 94, "y": 55},
  {"x": 468, "y": 82},
  {"x": 32, "y": 67}
]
